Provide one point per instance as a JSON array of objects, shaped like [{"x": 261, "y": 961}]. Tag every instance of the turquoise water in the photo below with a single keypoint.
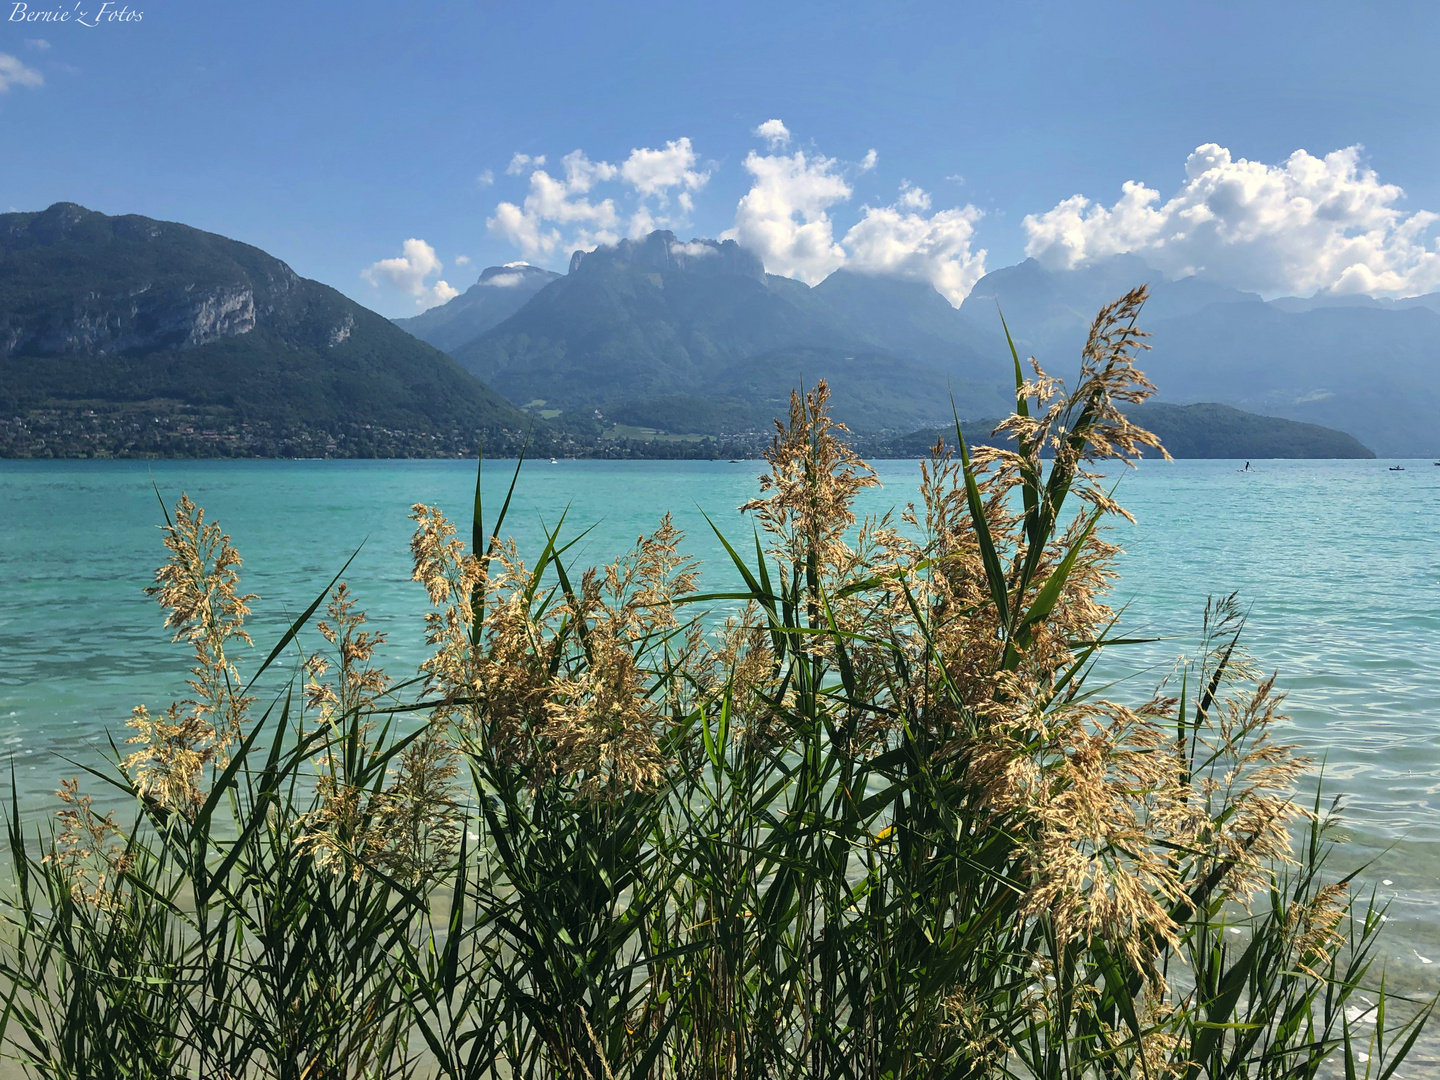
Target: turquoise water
[{"x": 1339, "y": 562}]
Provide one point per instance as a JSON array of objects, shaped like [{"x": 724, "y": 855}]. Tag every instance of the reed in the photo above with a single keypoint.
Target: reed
[{"x": 877, "y": 824}]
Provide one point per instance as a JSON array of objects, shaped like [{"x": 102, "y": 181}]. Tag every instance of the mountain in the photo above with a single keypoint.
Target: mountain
[
  {"x": 911, "y": 319},
  {"x": 1049, "y": 312},
  {"x": 148, "y": 321},
  {"x": 657, "y": 332},
  {"x": 1368, "y": 367},
  {"x": 1324, "y": 300},
  {"x": 500, "y": 293},
  {"x": 1372, "y": 372},
  {"x": 1205, "y": 430}
]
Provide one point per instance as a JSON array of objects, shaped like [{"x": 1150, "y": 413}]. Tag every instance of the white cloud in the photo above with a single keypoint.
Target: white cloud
[
  {"x": 503, "y": 281},
  {"x": 1310, "y": 223},
  {"x": 582, "y": 174},
  {"x": 408, "y": 273},
  {"x": 897, "y": 241},
  {"x": 775, "y": 134},
  {"x": 485, "y": 179},
  {"x": 462, "y": 260},
  {"x": 520, "y": 162},
  {"x": 559, "y": 214},
  {"x": 695, "y": 249},
  {"x": 784, "y": 216},
  {"x": 785, "y": 219},
  {"x": 642, "y": 223},
  {"x": 553, "y": 202},
  {"x": 654, "y": 174},
  {"x": 13, "y": 72},
  {"x": 912, "y": 197},
  {"x": 39, "y": 44}
]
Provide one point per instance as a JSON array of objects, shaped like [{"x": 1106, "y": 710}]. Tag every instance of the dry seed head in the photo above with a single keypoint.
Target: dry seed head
[
  {"x": 813, "y": 479},
  {"x": 176, "y": 748},
  {"x": 1313, "y": 928},
  {"x": 198, "y": 585},
  {"x": 88, "y": 850},
  {"x": 358, "y": 683},
  {"x": 602, "y": 724}
]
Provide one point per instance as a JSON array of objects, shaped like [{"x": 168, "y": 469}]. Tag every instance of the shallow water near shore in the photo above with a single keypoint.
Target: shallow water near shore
[{"x": 1338, "y": 563}]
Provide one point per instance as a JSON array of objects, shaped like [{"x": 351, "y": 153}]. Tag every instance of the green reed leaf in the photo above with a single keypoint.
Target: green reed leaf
[{"x": 994, "y": 574}]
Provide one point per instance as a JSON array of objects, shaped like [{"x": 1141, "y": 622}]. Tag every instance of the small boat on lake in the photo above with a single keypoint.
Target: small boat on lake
[{"x": 1401, "y": 468}]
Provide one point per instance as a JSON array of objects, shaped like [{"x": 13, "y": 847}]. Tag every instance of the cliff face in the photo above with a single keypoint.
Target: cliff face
[
  {"x": 78, "y": 283},
  {"x": 662, "y": 252}
]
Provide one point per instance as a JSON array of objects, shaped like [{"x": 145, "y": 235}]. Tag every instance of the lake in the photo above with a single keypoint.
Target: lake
[{"x": 1338, "y": 562}]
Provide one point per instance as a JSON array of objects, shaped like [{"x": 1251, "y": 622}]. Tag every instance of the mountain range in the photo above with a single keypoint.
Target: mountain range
[
  {"x": 117, "y": 330},
  {"x": 696, "y": 337}
]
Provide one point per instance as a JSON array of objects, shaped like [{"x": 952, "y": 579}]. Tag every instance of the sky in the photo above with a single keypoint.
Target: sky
[{"x": 393, "y": 150}]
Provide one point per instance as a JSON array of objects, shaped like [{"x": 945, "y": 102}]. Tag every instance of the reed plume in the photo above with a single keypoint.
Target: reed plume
[{"x": 198, "y": 586}]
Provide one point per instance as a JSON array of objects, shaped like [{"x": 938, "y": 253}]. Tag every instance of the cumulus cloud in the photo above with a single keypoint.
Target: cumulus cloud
[
  {"x": 520, "y": 162},
  {"x": 912, "y": 197},
  {"x": 775, "y": 134},
  {"x": 409, "y": 273},
  {"x": 1308, "y": 224},
  {"x": 462, "y": 260},
  {"x": 534, "y": 227},
  {"x": 582, "y": 174},
  {"x": 654, "y": 174},
  {"x": 14, "y": 72},
  {"x": 784, "y": 217},
  {"x": 485, "y": 179},
  {"x": 899, "y": 241},
  {"x": 559, "y": 215}
]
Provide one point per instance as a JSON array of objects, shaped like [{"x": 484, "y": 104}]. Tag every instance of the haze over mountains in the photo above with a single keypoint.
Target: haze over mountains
[
  {"x": 1369, "y": 367},
  {"x": 695, "y": 336}
]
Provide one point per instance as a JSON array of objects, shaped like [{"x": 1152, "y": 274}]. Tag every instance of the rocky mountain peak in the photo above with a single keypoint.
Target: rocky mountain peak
[{"x": 663, "y": 252}]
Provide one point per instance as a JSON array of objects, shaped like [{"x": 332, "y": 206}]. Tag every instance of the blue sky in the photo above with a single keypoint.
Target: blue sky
[{"x": 330, "y": 134}]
